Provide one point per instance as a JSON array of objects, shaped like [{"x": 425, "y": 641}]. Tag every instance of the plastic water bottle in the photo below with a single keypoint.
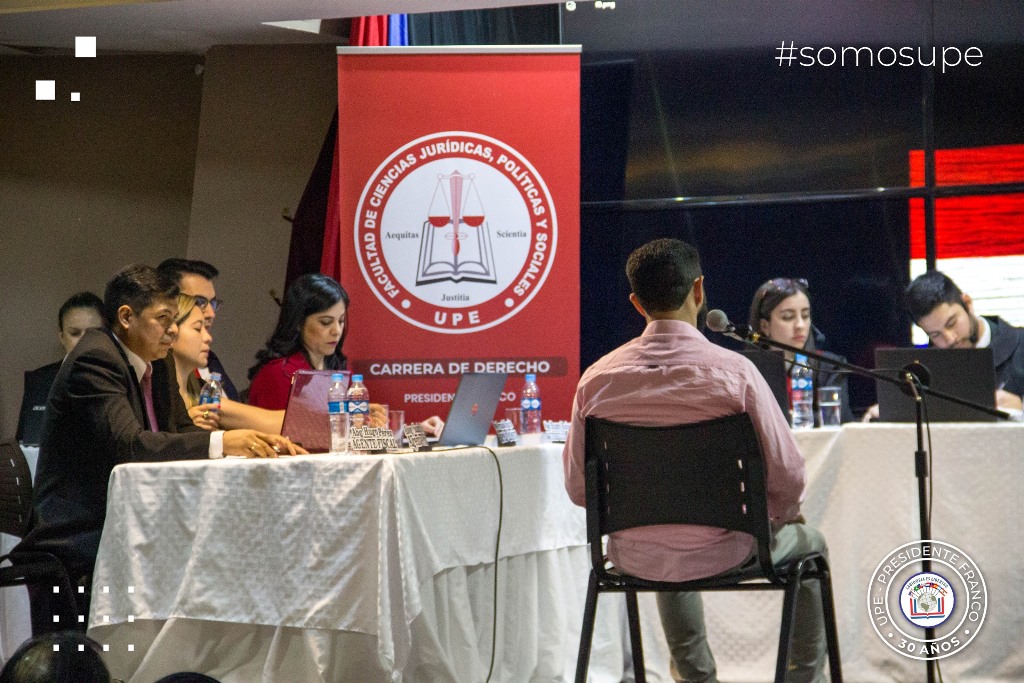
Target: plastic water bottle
[
  {"x": 530, "y": 403},
  {"x": 358, "y": 404},
  {"x": 212, "y": 390},
  {"x": 336, "y": 414},
  {"x": 801, "y": 394}
]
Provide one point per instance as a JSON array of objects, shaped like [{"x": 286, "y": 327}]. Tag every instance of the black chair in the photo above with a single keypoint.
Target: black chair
[
  {"x": 28, "y": 568},
  {"x": 708, "y": 473}
]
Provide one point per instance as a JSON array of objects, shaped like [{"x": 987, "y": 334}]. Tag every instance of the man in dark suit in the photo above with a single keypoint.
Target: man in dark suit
[
  {"x": 195, "y": 278},
  {"x": 79, "y": 313},
  {"x": 101, "y": 414}
]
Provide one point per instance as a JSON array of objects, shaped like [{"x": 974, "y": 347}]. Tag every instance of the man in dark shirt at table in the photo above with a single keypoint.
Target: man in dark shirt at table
[
  {"x": 100, "y": 414},
  {"x": 195, "y": 278},
  {"x": 947, "y": 316}
]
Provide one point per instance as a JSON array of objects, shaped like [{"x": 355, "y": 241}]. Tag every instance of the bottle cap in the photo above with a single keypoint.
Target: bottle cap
[
  {"x": 357, "y": 378},
  {"x": 531, "y": 377},
  {"x": 215, "y": 376},
  {"x": 801, "y": 359},
  {"x": 338, "y": 377}
]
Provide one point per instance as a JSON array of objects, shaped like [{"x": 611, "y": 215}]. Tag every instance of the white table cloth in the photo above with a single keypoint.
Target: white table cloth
[
  {"x": 347, "y": 568},
  {"x": 15, "y": 620},
  {"x": 862, "y": 494}
]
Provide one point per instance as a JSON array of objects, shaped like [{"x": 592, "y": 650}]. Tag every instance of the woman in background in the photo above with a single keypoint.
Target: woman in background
[{"x": 781, "y": 310}]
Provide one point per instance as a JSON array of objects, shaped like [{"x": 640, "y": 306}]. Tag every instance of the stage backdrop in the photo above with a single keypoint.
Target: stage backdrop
[{"x": 459, "y": 220}]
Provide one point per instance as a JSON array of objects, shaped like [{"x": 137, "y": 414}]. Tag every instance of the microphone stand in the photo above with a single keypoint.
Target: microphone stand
[{"x": 910, "y": 383}]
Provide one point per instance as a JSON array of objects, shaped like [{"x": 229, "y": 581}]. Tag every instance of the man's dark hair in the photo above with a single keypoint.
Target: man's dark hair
[
  {"x": 80, "y": 300},
  {"x": 176, "y": 267},
  {"x": 36, "y": 661},
  {"x": 928, "y": 291},
  {"x": 661, "y": 274},
  {"x": 136, "y": 286}
]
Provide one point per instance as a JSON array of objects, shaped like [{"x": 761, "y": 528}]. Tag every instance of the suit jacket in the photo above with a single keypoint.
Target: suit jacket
[
  {"x": 171, "y": 411},
  {"x": 1008, "y": 354},
  {"x": 33, "y": 401},
  {"x": 95, "y": 420}
]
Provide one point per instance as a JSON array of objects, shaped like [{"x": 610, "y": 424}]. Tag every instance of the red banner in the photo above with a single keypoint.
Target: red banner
[{"x": 459, "y": 220}]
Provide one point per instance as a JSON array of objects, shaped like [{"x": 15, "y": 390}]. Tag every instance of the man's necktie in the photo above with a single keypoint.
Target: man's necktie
[{"x": 147, "y": 397}]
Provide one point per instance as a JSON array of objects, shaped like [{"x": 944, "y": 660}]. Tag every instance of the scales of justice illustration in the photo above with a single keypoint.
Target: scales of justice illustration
[{"x": 455, "y": 240}]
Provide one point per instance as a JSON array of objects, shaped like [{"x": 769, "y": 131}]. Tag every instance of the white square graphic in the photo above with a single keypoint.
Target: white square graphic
[
  {"x": 85, "y": 46},
  {"x": 46, "y": 90},
  {"x": 106, "y": 647},
  {"x": 131, "y": 647},
  {"x": 76, "y": 97},
  {"x": 81, "y": 648}
]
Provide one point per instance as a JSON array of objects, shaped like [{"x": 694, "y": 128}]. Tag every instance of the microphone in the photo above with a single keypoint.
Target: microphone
[
  {"x": 914, "y": 374},
  {"x": 718, "y": 321}
]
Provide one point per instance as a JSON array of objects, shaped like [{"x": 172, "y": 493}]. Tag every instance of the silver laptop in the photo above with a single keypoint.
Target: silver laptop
[{"x": 472, "y": 409}]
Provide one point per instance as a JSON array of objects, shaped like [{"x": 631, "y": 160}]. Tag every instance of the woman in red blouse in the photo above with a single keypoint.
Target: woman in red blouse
[{"x": 309, "y": 335}]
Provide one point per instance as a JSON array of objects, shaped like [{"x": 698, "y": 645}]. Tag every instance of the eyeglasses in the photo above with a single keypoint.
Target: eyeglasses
[{"x": 202, "y": 302}]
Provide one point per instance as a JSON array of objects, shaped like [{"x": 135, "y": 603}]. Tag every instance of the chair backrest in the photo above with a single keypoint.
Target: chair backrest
[
  {"x": 15, "y": 490},
  {"x": 707, "y": 473}
]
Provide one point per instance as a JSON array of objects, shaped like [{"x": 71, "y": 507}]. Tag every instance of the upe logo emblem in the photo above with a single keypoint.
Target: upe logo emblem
[
  {"x": 949, "y": 597},
  {"x": 455, "y": 232},
  {"x": 927, "y": 599}
]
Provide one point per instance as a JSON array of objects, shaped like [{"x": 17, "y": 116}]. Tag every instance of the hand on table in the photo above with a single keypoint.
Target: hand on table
[
  {"x": 870, "y": 414},
  {"x": 206, "y": 416},
  {"x": 1007, "y": 401},
  {"x": 252, "y": 444},
  {"x": 433, "y": 425}
]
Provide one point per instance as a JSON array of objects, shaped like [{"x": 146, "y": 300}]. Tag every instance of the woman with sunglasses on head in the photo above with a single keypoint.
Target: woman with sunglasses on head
[
  {"x": 309, "y": 335},
  {"x": 781, "y": 310}
]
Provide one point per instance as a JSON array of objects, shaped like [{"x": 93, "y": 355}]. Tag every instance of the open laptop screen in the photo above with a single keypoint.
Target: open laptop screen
[
  {"x": 305, "y": 418},
  {"x": 968, "y": 374},
  {"x": 772, "y": 366},
  {"x": 472, "y": 409}
]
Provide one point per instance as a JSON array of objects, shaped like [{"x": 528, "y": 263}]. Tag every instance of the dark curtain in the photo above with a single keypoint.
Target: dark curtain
[{"x": 305, "y": 249}]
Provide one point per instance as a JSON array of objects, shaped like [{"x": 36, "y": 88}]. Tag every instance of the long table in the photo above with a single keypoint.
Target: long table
[
  {"x": 348, "y": 568},
  {"x": 862, "y": 494},
  {"x": 259, "y": 571}
]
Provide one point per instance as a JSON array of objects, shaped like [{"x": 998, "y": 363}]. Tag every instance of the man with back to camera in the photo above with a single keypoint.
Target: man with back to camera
[
  {"x": 947, "y": 316},
  {"x": 671, "y": 375},
  {"x": 80, "y": 312},
  {"x": 100, "y": 414},
  {"x": 195, "y": 278}
]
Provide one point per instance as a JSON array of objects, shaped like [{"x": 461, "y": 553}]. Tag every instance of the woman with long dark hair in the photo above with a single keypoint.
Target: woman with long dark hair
[
  {"x": 781, "y": 310},
  {"x": 309, "y": 335}
]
